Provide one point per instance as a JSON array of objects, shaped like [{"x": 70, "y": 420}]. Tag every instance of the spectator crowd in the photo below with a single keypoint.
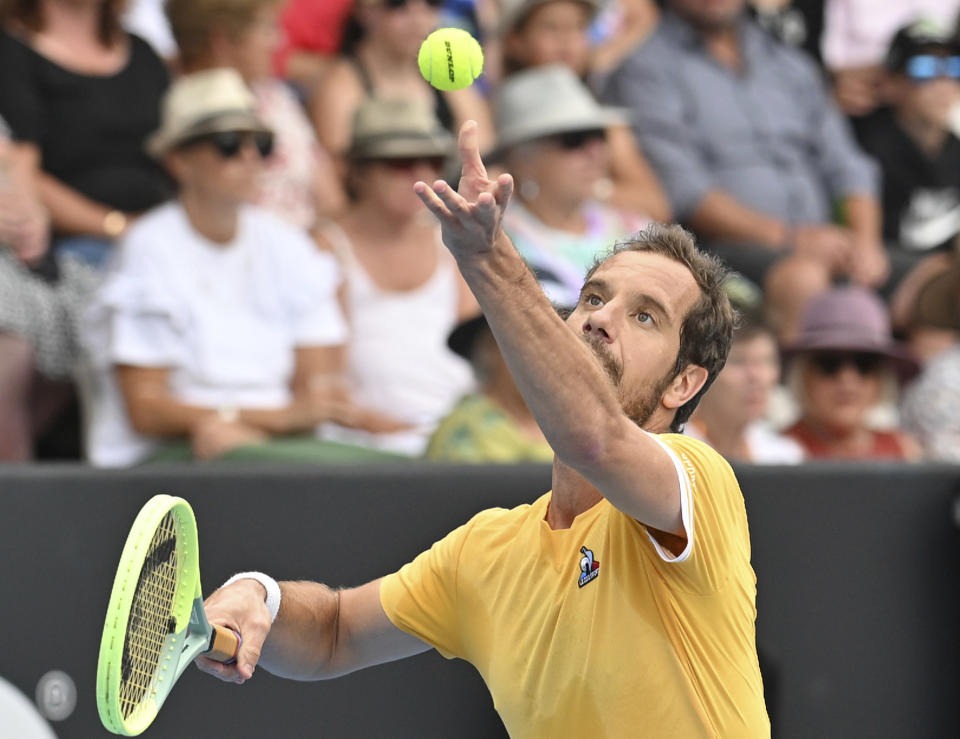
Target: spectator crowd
[{"x": 210, "y": 247}]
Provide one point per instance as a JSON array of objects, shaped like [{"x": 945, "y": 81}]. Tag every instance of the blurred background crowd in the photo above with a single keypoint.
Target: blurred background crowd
[{"x": 210, "y": 247}]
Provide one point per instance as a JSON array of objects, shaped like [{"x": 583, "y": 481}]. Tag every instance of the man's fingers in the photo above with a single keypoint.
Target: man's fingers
[
  {"x": 469, "y": 144},
  {"x": 454, "y": 202},
  {"x": 504, "y": 190},
  {"x": 238, "y": 607},
  {"x": 227, "y": 673},
  {"x": 429, "y": 198}
]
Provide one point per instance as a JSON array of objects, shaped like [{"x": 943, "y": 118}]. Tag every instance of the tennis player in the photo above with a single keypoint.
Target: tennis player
[{"x": 621, "y": 603}]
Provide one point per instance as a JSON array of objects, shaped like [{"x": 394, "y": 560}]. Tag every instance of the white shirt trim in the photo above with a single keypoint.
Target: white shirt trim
[{"x": 686, "y": 508}]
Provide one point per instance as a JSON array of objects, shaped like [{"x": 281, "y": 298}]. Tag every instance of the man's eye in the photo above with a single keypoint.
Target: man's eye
[
  {"x": 644, "y": 318},
  {"x": 594, "y": 300}
]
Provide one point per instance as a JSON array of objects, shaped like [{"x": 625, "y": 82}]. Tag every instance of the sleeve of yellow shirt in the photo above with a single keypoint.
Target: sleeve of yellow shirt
[
  {"x": 713, "y": 516},
  {"x": 421, "y": 597}
]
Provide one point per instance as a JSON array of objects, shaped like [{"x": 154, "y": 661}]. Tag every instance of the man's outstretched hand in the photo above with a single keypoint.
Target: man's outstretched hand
[{"x": 470, "y": 216}]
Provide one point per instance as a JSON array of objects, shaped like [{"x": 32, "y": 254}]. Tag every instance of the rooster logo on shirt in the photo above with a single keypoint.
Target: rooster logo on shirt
[{"x": 589, "y": 567}]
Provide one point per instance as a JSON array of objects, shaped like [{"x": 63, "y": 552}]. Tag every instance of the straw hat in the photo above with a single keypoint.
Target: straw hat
[
  {"x": 210, "y": 101},
  {"x": 397, "y": 129},
  {"x": 851, "y": 319},
  {"x": 515, "y": 12},
  {"x": 544, "y": 101}
]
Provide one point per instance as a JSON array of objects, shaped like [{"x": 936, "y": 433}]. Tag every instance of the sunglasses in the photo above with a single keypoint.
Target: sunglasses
[
  {"x": 925, "y": 67},
  {"x": 395, "y": 4},
  {"x": 830, "y": 363},
  {"x": 229, "y": 143},
  {"x": 408, "y": 164},
  {"x": 573, "y": 140}
]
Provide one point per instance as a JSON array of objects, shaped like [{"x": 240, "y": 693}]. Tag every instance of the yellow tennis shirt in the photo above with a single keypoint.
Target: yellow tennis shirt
[{"x": 596, "y": 631}]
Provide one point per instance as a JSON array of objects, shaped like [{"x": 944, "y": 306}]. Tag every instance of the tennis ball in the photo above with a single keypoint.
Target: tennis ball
[{"x": 450, "y": 59}]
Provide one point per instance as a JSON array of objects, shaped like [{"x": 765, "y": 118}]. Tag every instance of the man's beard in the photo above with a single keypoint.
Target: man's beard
[{"x": 638, "y": 404}]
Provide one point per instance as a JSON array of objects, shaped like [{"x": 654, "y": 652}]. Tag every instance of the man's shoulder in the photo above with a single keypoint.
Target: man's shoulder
[
  {"x": 681, "y": 442},
  {"x": 661, "y": 49},
  {"x": 502, "y": 524},
  {"x": 698, "y": 461},
  {"x": 770, "y": 50},
  {"x": 517, "y": 514}
]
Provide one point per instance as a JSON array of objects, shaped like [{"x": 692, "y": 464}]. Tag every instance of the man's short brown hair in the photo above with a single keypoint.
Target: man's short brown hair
[
  {"x": 193, "y": 21},
  {"x": 707, "y": 329}
]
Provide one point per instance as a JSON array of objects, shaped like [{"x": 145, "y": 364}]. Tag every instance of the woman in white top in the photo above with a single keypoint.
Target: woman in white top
[
  {"x": 403, "y": 293},
  {"x": 298, "y": 181},
  {"x": 217, "y": 323}
]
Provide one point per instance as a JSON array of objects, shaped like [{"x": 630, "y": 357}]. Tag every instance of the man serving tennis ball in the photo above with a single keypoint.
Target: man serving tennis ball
[{"x": 621, "y": 603}]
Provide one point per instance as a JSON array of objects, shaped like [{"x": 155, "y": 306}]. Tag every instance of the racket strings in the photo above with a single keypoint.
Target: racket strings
[{"x": 150, "y": 617}]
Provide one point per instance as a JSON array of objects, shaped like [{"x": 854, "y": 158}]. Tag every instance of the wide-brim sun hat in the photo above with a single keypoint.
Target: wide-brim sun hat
[
  {"x": 515, "y": 12},
  {"x": 201, "y": 103},
  {"x": 850, "y": 319},
  {"x": 546, "y": 101},
  {"x": 397, "y": 129}
]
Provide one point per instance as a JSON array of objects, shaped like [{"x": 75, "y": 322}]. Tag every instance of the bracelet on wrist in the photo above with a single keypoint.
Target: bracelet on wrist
[{"x": 114, "y": 224}]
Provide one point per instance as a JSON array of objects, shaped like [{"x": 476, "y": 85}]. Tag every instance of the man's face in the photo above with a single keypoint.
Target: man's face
[
  {"x": 630, "y": 314},
  {"x": 709, "y": 15}
]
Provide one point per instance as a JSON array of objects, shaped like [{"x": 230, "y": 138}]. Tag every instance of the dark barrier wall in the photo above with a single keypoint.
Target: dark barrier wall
[{"x": 858, "y": 573}]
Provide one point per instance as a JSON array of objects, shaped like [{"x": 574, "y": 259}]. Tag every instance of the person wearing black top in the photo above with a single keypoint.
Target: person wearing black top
[
  {"x": 918, "y": 153},
  {"x": 83, "y": 94}
]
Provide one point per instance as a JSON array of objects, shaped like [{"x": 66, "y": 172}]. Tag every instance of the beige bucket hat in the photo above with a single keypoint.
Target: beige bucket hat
[
  {"x": 210, "y": 101},
  {"x": 544, "y": 101},
  {"x": 397, "y": 129}
]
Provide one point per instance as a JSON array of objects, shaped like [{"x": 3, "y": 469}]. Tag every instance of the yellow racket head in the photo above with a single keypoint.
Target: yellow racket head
[{"x": 155, "y": 624}]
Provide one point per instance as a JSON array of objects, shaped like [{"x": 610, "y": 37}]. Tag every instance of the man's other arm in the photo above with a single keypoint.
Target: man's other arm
[{"x": 319, "y": 633}]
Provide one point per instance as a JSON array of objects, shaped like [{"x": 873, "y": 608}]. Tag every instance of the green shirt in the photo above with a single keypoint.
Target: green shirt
[{"x": 478, "y": 430}]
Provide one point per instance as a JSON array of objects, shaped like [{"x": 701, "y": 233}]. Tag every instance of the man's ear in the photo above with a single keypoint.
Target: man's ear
[{"x": 684, "y": 386}]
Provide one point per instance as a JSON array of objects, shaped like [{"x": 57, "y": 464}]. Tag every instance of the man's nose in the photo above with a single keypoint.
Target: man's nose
[{"x": 601, "y": 323}]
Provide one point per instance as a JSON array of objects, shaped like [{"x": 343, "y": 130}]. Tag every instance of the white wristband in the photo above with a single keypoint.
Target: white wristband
[{"x": 269, "y": 584}]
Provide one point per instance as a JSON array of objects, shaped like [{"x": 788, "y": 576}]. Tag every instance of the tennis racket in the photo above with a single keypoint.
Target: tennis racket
[{"x": 155, "y": 623}]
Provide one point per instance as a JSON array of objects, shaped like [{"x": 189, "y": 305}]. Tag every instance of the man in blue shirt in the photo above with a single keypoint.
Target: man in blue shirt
[{"x": 753, "y": 154}]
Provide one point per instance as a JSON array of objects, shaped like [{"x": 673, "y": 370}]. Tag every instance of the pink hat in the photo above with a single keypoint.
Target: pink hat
[{"x": 851, "y": 319}]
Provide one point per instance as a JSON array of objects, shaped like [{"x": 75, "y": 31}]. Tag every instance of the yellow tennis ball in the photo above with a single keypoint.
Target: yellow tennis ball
[{"x": 450, "y": 59}]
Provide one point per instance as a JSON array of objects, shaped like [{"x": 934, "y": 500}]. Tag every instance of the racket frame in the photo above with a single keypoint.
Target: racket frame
[{"x": 192, "y": 634}]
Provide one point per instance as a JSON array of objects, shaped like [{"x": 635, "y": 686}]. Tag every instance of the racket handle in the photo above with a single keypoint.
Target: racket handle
[{"x": 224, "y": 644}]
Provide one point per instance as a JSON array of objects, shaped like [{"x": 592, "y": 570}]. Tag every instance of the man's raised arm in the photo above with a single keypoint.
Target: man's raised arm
[{"x": 561, "y": 380}]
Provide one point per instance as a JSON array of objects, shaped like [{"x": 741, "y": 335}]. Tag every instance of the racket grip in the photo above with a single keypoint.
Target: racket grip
[{"x": 224, "y": 644}]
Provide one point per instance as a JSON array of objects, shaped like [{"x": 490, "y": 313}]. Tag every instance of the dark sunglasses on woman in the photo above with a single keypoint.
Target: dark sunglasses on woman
[
  {"x": 394, "y": 4},
  {"x": 578, "y": 139},
  {"x": 830, "y": 363},
  {"x": 229, "y": 143},
  {"x": 403, "y": 164}
]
